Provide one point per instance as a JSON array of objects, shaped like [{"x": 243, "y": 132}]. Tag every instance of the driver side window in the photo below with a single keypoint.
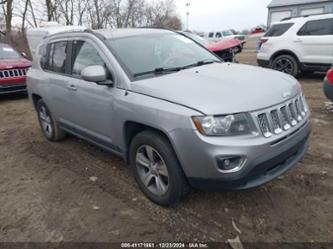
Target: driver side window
[{"x": 84, "y": 55}]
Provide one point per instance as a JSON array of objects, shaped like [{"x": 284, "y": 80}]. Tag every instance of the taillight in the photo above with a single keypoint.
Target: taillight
[
  {"x": 330, "y": 76},
  {"x": 261, "y": 42}
]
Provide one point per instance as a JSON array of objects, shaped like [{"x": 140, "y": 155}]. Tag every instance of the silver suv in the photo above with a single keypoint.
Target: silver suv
[{"x": 177, "y": 114}]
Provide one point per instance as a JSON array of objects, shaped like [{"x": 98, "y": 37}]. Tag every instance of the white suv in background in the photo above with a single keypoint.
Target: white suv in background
[
  {"x": 224, "y": 35},
  {"x": 298, "y": 44}
]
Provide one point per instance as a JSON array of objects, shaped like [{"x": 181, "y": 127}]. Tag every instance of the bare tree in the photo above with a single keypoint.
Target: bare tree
[
  {"x": 81, "y": 10},
  {"x": 7, "y": 8},
  {"x": 96, "y": 14},
  {"x": 24, "y": 15},
  {"x": 163, "y": 14},
  {"x": 66, "y": 8}
]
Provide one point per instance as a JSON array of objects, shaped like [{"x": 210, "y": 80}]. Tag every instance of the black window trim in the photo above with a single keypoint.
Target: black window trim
[{"x": 69, "y": 58}]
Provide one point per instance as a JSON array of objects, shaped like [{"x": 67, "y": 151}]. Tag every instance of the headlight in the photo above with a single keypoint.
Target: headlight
[{"x": 230, "y": 125}]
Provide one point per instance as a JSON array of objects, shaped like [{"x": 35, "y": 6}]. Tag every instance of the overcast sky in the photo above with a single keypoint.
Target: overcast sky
[{"x": 206, "y": 15}]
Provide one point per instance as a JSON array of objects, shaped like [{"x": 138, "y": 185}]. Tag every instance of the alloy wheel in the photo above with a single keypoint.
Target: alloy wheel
[
  {"x": 45, "y": 121},
  {"x": 284, "y": 65},
  {"x": 152, "y": 170}
]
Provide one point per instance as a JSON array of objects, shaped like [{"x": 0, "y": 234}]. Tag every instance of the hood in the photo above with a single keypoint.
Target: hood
[
  {"x": 223, "y": 45},
  {"x": 14, "y": 63},
  {"x": 225, "y": 88}
]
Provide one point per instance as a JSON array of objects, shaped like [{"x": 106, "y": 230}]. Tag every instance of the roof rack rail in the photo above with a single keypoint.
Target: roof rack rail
[
  {"x": 98, "y": 35},
  {"x": 304, "y": 16}
]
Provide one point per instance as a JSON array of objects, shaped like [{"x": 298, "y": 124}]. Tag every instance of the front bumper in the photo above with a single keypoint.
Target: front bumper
[
  {"x": 263, "y": 63},
  {"x": 265, "y": 159},
  {"x": 7, "y": 89},
  {"x": 328, "y": 89}
]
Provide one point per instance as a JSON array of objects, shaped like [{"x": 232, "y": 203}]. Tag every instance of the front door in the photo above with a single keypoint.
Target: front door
[
  {"x": 92, "y": 104},
  {"x": 315, "y": 41}
]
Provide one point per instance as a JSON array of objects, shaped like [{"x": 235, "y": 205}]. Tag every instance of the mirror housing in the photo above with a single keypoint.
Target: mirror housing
[
  {"x": 24, "y": 55},
  {"x": 96, "y": 74}
]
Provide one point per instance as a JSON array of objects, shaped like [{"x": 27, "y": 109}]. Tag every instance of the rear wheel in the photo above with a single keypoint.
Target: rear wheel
[
  {"x": 286, "y": 64},
  {"x": 49, "y": 126},
  {"x": 156, "y": 169}
]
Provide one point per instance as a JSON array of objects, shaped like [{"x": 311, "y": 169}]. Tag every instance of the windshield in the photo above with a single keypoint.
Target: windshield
[
  {"x": 227, "y": 33},
  {"x": 197, "y": 38},
  {"x": 146, "y": 53},
  {"x": 8, "y": 53}
]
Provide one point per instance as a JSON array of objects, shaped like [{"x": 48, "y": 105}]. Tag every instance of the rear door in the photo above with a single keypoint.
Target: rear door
[
  {"x": 56, "y": 67},
  {"x": 315, "y": 41}
]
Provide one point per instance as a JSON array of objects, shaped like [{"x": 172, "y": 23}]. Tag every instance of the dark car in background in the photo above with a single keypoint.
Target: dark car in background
[
  {"x": 328, "y": 84},
  {"x": 13, "y": 69}
]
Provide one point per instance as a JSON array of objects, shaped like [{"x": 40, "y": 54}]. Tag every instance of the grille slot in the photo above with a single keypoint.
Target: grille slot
[
  {"x": 276, "y": 122},
  {"x": 298, "y": 110},
  {"x": 285, "y": 118},
  {"x": 282, "y": 118},
  {"x": 293, "y": 115},
  {"x": 264, "y": 125},
  {"x": 12, "y": 73}
]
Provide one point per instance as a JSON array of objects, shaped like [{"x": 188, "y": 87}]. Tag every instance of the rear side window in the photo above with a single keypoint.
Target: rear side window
[
  {"x": 317, "y": 28},
  {"x": 57, "y": 57},
  {"x": 278, "y": 29}
]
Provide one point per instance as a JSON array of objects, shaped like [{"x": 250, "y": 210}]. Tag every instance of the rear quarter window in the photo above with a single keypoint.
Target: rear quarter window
[
  {"x": 43, "y": 56},
  {"x": 278, "y": 29},
  {"x": 317, "y": 28}
]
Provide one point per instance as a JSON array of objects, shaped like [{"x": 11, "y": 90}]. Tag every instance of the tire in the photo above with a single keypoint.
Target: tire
[
  {"x": 287, "y": 64},
  {"x": 165, "y": 182},
  {"x": 49, "y": 126}
]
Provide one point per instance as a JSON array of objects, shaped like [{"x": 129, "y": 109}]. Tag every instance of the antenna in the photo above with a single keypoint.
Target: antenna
[{"x": 188, "y": 4}]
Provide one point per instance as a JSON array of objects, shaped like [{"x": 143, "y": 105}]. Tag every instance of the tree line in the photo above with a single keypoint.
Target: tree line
[{"x": 95, "y": 14}]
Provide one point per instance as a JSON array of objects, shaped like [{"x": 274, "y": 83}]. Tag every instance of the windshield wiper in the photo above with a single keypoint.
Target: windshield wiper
[
  {"x": 159, "y": 70},
  {"x": 162, "y": 70},
  {"x": 201, "y": 63}
]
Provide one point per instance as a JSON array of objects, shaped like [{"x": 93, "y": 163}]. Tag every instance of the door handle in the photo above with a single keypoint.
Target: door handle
[
  {"x": 72, "y": 87},
  {"x": 298, "y": 40}
]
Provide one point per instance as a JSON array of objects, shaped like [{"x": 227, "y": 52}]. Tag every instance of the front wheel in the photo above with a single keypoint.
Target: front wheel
[
  {"x": 286, "y": 64},
  {"x": 49, "y": 126},
  {"x": 156, "y": 169}
]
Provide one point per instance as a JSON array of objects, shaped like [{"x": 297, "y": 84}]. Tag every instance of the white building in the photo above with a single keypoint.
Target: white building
[{"x": 280, "y": 9}]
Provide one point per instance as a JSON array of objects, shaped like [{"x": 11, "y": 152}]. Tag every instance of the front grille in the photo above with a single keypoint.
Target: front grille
[
  {"x": 13, "y": 73},
  {"x": 282, "y": 118}
]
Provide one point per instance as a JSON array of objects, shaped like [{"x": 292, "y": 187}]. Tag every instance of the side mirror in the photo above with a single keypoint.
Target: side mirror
[
  {"x": 96, "y": 74},
  {"x": 24, "y": 55}
]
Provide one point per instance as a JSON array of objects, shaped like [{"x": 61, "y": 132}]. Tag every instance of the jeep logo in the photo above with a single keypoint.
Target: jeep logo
[{"x": 286, "y": 95}]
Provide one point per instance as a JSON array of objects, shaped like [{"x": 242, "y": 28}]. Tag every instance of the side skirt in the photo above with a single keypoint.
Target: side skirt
[{"x": 95, "y": 141}]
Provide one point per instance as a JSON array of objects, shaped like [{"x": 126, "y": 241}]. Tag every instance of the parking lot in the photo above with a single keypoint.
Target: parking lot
[{"x": 73, "y": 191}]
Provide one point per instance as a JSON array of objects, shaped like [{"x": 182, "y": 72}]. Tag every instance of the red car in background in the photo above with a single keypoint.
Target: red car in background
[
  {"x": 226, "y": 49},
  {"x": 328, "y": 84},
  {"x": 13, "y": 70}
]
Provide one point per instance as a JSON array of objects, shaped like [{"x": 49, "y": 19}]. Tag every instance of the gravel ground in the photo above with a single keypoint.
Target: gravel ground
[{"x": 73, "y": 191}]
